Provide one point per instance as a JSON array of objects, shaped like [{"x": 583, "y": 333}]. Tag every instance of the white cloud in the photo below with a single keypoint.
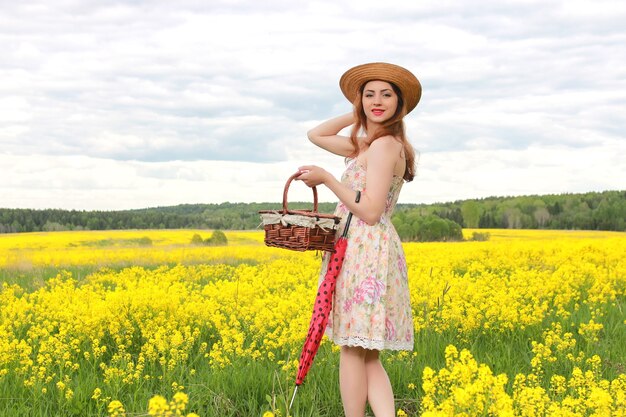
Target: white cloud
[
  {"x": 447, "y": 176},
  {"x": 78, "y": 182},
  {"x": 185, "y": 86}
]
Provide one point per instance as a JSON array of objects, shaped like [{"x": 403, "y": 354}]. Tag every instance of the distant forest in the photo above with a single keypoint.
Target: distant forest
[{"x": 590, "y": 211}]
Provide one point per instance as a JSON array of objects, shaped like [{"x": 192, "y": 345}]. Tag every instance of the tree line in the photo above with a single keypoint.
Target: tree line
[
  {"x": 443, "y": 221},
  {"x": 584, "y": 211},
  {"x": 591, "y": 211},
  {"x": 224, "y": 216}
]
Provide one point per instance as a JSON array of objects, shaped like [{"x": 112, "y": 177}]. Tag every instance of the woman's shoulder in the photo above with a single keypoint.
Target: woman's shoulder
[{"x": 386, "y": 143}]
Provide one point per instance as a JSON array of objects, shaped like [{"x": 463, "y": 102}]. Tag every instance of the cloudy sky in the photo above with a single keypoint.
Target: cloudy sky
[{"x": 135, "y": 103}]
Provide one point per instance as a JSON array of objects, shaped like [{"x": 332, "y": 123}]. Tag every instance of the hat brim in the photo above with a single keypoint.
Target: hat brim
[{"x": 352, "y": 80}]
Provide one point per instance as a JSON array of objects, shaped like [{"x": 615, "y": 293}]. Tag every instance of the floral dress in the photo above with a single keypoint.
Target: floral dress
[{"x": 371, "y": 305}]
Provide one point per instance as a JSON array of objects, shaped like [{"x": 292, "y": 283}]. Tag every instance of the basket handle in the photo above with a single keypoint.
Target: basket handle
[{"x": 297, "y": 174}]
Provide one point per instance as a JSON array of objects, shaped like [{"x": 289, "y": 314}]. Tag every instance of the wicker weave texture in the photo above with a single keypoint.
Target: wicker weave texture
[
  {"x": 296, "y": 237},
  {"x": 299, "y": 238}
]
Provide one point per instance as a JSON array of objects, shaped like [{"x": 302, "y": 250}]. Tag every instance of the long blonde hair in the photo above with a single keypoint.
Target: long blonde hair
[{"x": 394, "y": 126}]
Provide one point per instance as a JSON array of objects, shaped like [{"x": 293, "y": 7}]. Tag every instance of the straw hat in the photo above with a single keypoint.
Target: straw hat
[{"x": 354, "y": 78}]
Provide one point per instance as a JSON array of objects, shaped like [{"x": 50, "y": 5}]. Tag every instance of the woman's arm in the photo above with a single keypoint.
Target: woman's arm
[
  {"x": 325, "y": 135},
  {"x": 381, "y": 159}
]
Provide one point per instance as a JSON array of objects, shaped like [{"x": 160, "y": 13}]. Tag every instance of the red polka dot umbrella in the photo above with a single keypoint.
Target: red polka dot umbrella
[{"x": 322, "y": 306}]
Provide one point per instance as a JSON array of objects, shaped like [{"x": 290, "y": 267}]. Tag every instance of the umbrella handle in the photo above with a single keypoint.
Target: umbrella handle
[
  {"x": 345, "y": 229},
  {"x": 292, "y": 398}
]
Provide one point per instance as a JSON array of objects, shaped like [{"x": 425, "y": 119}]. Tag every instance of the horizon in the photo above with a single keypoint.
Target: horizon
[{"x": 504, "y": 197}]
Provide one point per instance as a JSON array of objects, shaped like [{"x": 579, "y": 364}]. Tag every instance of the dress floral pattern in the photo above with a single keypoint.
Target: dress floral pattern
[{"x": 371, "y": 306}]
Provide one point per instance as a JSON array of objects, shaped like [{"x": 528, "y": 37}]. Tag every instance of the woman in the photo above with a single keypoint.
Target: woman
[{"x": 371, "y": 306}]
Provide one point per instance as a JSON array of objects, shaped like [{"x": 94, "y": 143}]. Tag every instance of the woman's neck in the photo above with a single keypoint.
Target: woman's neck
[{"x": 371, "y": 126}]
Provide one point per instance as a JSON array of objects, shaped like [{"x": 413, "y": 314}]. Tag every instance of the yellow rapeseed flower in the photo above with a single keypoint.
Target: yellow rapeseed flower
[
  {"x": 96, "y": 393},
  {"x": 143, "y": 308},
  {"x": 158, "y": 406},
  {"x": 116, "y": 409}
]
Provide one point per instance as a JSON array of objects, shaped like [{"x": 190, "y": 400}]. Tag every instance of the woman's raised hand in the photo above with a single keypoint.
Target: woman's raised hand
[{"x": 326, "y": 135}]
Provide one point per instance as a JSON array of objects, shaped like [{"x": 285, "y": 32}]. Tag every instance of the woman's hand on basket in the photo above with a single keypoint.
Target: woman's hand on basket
[{"x": 313, "y": 175}]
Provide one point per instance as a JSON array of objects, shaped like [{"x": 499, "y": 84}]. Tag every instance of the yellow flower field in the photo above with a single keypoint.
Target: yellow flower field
[
  {"x": 528, "y": 323},
  {"x": 123, "y": 248}
]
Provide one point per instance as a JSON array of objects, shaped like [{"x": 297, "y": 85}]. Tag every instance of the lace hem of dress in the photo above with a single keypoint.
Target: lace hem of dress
[{"x": 373, "y": 344}]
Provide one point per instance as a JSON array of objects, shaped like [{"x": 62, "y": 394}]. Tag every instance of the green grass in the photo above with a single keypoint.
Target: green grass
[
  {"x": 102, "y": 243},
  {"x": 30, "y": 278},
  {"x": 248, "y": 388}
]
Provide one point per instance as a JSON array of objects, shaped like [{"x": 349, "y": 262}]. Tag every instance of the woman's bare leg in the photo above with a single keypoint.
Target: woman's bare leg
[
  {"x": 353, "y": 380},
  {"x": 379, "y": 391}
]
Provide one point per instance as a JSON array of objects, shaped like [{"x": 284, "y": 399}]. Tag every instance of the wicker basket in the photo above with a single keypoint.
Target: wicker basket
[{"x": 299, "y": 230}]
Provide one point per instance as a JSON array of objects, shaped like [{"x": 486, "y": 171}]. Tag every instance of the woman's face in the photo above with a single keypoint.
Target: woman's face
[{"x": 379, "y": 101}]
